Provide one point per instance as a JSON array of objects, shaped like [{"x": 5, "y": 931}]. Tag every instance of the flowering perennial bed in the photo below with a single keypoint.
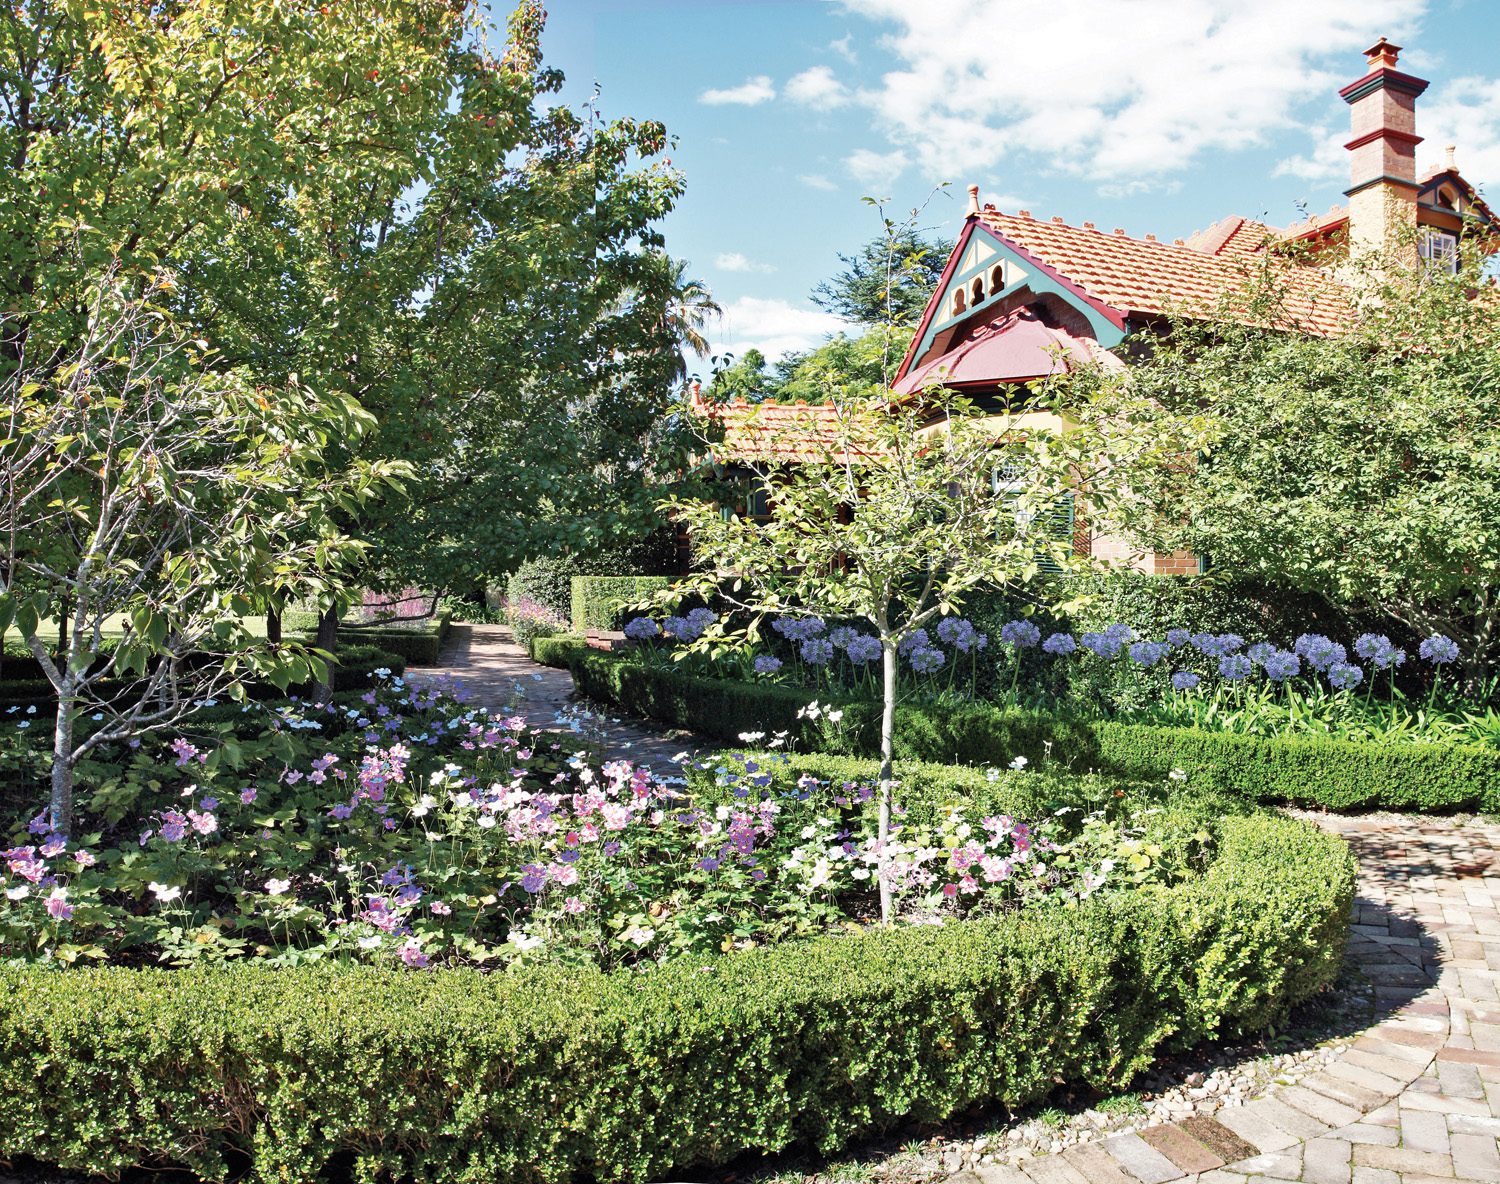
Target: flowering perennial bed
[{"x": 550, "y": 1069}]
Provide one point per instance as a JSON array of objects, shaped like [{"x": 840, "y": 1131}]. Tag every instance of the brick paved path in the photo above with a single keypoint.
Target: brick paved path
[
  {"x": 1415, "y": 1100},
  {"x": 494, "y": 669}
]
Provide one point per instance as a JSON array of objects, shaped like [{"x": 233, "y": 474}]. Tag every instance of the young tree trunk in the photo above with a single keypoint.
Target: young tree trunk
[
  {"x": 273, "y": 628},
  {"x": 328, "y": 636},
  {"x": 887, "y": 763},
  {"x": 60, "y": 810}
]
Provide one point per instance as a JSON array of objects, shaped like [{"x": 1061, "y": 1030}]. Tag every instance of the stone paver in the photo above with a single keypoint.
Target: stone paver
[
  {"x": 499, "y": 675},
  {"x": 1416, "y": 1099}
]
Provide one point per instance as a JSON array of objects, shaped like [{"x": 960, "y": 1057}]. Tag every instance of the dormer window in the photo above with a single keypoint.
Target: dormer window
[
  {"x": 1439, "y": 250},
  {"x": 978, "y": 292}
]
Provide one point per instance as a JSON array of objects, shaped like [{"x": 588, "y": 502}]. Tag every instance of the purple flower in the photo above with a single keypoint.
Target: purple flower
[
  {"x": 1319, "y": 652},
  {"x": 40, "y": 826},
  {"x": 611, "y": 849},
  {"x": 1060, "y": 643},
  {"x": 1260, "y": 651},
  {"x": 248, "y": 795},
  {"x": 924, "y": 659},
  {"x": 679, "y": 628},
  {"x": 972, "y": 640},
  {"x": 765, "y": 664},
  {"x": 1235, "y": 666},
  {"x": 1206, "y": 643},
  {"x": 1185, "y": 680},
  {"x": 948, "y": 628},
  {"x": 641, "y": 629},
  {"x": 1343, "y": 676},
  {"x": 1109, "y": 643},
  {"x": 1021, "y": 634},
  {"x": 863, "y": 648},
  {"x": 1379, "y": 650},
  {"x": 916, "y": 640},
  {"x": 707, "y": 864},
  {"x": 817, "y": 650},
  {"x": 1177, "y": 638},
  {"x": 1438, "y": 649},
  {"x": 209, "y": 803},
  {"x": 533, "y": 878},
  {"x": 54, "y": 845},
  {"x": 1282, "y": 664},
  {"x": 842, "y": 636},
  {"x": 1145, "y": 653},
  {"x": 798, "y": 628}
]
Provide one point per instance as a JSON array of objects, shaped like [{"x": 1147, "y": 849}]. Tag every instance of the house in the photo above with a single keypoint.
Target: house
[{"x": 1022, "y": 298}]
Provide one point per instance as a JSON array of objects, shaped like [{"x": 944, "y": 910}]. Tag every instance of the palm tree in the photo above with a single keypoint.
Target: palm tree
[{"x": 690, "y": 304}]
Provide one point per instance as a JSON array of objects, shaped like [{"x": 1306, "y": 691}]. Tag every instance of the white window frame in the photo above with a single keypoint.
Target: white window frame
[{"x": 1439, "y": 249}]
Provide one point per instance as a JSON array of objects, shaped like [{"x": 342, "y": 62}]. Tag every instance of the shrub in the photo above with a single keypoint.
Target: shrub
[
  {"x": 555, "y": 651},
  {"x": 530, "y": 618},
  {"x": 421, "y": 647},
  {"x": 552, "y": 1072},
  {"x": 547, "y": 580},
  {"x": 598, "y": 601}
]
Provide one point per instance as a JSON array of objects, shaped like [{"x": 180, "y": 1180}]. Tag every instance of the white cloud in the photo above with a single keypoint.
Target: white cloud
[
  {"x": 734, "y": 261},
  {"x": 1069, "y": 82},
  {"x": 844, "y": 47},
  {"x": 756, "y": 90},
  {"x": 1465, "y": 113},
  {"x": 774, "y": 326},
  {"x": 818, "y": 88},
  {"x": 817, "y": 181},
  {"x": 1329, "y": 160},
  {"x": 877, "y": 169}
]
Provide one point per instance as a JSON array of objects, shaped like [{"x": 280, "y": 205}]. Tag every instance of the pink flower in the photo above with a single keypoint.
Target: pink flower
[
  {"x": 564, "y": 873},
  {"x": 969, "y": 885},
  {"x": 573, "y": 905},
  {"x": 57, "y": 907},
  {"x": 412, "y": 955},
  {"x": 440, "y": 909},
  {"x": 248, "y": 795},
  {"x": 204, "y": 824},
  {"x": 950, "y": 891},
  {"x": 84, "y": 858},
  {"x": 277, "y": 887}
]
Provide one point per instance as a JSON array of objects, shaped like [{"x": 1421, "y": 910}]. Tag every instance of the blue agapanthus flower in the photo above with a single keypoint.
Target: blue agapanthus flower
[
  {"x": 1177, "y": 638},
  {"x": 863, "y": 648},
  {"x": 1021, "y": 634},
  {"x": 641, "y": 629},
  {"x": 1185, "y": 680},
  {"x": 1260, "y": 651},
  {"x": 1235, "y": 667},
  {"x": 1110, "y": 642},
  {"x": 1319, "y": 652},
  {"x": 1060, "y": 643},
  {"x": 765, "y": 664},
  {"x": 1379, "y": 650},
  {"x": 1343, "y": 676},
  {"x": 1439, "y": 649},
  {"x": 925, "y": 659},
  {"x": 817, "y": 650},
  {"x": 916, "y": 640},
  {"x": 1145, "y": 653},
  {"x": 842, "y": 636},
  {"x": 1282, "y": 664}
]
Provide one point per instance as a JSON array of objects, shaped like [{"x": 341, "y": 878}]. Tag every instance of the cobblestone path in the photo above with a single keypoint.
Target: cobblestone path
[{"x": 1415, "y": 1100}]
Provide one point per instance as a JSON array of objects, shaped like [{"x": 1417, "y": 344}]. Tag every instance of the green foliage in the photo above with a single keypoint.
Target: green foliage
[
  {"x": 1361, "y": 465},
  {"x": 887, "y": 281},
  {"x": 546, "y": 579},
  {"x": 550, "y": 1072},
  {"x": 599, "y": 602},
  {"x": 555, "y": 651}
]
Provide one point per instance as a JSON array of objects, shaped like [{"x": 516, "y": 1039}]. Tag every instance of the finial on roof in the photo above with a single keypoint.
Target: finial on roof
[
  {"x": 1057, "y": 218},
  {"x": 1382, "y": 53},
  {"x": 1088, "y": 226},
  {"x": 1448, "y": 157},
  {"x": 1179, "y": 242},
  {"x": 1120, "y": 231},
  {"x": 1023, "y": 213},
  {"x": 1151, "y": 238},
  {"x": 973, "y": 200}
]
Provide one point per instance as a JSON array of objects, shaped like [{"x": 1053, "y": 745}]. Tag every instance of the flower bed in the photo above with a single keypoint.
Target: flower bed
[
  {"x": 553, "y": 1070},
  {"x": 1309, "y": 770}
]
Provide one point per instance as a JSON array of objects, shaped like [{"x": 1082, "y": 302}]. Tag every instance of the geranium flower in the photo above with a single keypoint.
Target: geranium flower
[{"x": 165, "y": 892}]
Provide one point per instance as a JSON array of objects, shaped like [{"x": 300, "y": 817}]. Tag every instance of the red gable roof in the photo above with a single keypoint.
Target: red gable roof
[
  {"x": 776, "y": 432},
  {"x": 1143, "y": 277},
  {"x": 1013, "y": 349}
]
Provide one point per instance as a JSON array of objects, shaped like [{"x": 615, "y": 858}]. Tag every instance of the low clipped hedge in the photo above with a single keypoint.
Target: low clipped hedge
[
  {"x": 555, "y": 651},
  {"x": 597, "y": 600},
  {"x": 1336, "y": 774},
  {"x": 549, "y": 1073},
  {"x": 421, "y": 647}
]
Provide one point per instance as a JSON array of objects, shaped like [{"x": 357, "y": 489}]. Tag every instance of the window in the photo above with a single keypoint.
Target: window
[
  {"x": 960, "y": 301},
  {"x": 1056, "y": 521},
  {"x": 997, "y": 278},
  {"x": 1440, "y": 250},
  {"x": 977, "y": 291}
]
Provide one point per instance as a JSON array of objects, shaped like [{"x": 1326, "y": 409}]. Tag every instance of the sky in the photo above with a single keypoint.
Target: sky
[{"x": 1157, "y": 116}]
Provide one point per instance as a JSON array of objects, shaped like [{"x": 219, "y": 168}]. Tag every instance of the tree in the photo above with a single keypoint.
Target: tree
[
  {"x": 888, "y": 280},
  {"x": 690, "y": 304},
  {"x": 895, "y": 516},
  {"x": 1364, "y": 467},
  {"x": 141, "y": 490}
]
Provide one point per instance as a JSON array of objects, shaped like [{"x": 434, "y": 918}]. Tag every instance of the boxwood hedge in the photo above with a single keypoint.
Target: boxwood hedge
[
  {"x": 1337, "y": 774},
  {"x": 544, "y": 1072}
]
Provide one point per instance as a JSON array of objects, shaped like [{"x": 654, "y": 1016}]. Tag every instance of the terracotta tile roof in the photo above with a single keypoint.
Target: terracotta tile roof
[
  {"x": 1141, "y": 276},
  {"x": 775, "y": 432}
]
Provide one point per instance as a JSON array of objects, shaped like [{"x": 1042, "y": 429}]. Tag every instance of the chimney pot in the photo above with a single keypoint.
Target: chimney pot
[
  {"x": 1151, "y": 238},
  {"x": 1178, "y": 242},
  {"x": 1119, "y": 232},
  {"x": 1088, "y": 226},
  {"x": 1382, "y": 54},
  {"x": 973, "y": 200},
  {"x": 1382, "y": 152},
  {"x": 1448, "y": 158},
  {"x": 1057, "y": 218},
  {"x": 1024, "y": 213}
]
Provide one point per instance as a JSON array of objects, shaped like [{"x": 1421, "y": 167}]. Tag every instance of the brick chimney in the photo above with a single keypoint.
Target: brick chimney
[{"x": 1383, "y": 162}]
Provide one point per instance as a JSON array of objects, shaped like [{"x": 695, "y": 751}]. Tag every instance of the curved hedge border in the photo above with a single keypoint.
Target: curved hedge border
[
  {"x": 537, "y": 1074},
  {"x": 1337, "y": 774}
]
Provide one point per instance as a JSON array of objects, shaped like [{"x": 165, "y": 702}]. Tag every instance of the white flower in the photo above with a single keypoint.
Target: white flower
[
  {"x": 861, "y": 873},
  {"x": 1107, "y": 865},
  {"x": 523, "y": 942},
  {"x": 722, "y": 813},
  {"x": 992, "y": 775},
  {"x": 1178, "y": 774},
  {"x": 809, "y": 831},
  {"x": 752, "y": 737},
  {"x": 835, "y": 716},
  {"x": 369, "y": 943},
  {"x": 1019, "y": 763},
  {"x": 277, "y": 887},
  {"x": 462, "y": 800},
  {"x": 20, "y": 892},
  {"x": 639, "y": 935},
  {"x": 486, "y": 821},
  {"x": 165, "y": 892},
  {"x": 424, "y": 804},
  {"x": 964, "y": 830}
]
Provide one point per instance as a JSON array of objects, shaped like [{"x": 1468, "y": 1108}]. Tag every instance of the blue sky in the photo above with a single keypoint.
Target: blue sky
[{"x": 1158, "y": 116}]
